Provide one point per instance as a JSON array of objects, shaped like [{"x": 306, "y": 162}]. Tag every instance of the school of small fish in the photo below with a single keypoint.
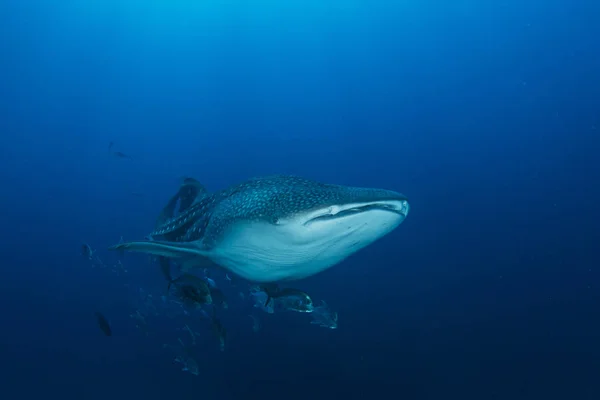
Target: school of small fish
[{"x": 195, "y": 302}]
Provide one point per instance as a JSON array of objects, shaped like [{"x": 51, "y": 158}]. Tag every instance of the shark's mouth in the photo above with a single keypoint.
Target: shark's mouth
[{"x": 399, "y": 207}]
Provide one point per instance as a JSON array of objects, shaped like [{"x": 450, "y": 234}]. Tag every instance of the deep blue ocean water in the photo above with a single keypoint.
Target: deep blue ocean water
[{"x": 486, "y": 114}]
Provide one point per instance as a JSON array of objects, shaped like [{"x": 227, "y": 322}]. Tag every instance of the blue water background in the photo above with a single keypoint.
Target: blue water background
[{"x": 485, "y": 114}]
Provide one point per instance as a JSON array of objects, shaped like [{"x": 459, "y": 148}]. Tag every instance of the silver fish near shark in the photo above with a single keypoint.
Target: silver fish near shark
[{"x": 276, "y": 228}]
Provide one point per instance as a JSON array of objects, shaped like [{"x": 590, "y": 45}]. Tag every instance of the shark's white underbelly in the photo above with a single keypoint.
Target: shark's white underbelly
[
  {"x": 263, "y": 252},
  {"x": 259, "y": 253}
]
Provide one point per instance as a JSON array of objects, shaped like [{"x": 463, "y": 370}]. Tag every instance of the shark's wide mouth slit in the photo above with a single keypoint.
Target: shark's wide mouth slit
[{"x": 396, "y": 207}]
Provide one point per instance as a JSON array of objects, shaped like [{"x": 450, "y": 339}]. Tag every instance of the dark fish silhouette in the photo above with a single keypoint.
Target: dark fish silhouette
[
  {"x": 302, "y": 300},
  {"x": 218, "y": 297},
  {"x": 188, "y": 287},
  {"x": 120, "y": 154},
  {"x": 103, "y": 324},
  {"x": 87, "y": 251},
  {"x": 192, "y": 288},
  {"x": 219, "y": 330}
]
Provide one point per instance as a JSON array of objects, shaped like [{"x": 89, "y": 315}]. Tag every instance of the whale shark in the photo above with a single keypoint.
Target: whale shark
[{"x": 272, "y": 229}]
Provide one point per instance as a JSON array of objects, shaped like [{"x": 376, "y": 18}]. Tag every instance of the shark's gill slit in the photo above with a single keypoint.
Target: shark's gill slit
[{"x": 356, "y": 210}]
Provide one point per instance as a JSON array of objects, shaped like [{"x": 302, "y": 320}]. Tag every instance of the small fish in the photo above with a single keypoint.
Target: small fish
[
  {"x": 259, "y": 298},
  {"x": 194, "y": 294},
  {"x": 288, "y": 298},
  {"x": 140, "y": 322},
  {"x": 183, "y": 357},
  {"x": 211, "y": 283},
  {"x": 188, "y": 287},
  {"x": 110, "y": 146},
  {"x": 218, "y": 297},
  {"x": 274, "y": 292},
  {"x": 193, "y": 336},
  {"x": 324, "y": 317},
  {"x": 255, "y": 323},
  {"x": 120, "y": 154},
  {"x": 86, "y": 251},
  {"x": 219, "y": 330},
  {"x": 270, "y": 289},
  {"x": 103, "y": 324},
  {"x": 165, "y": 268},
  {"x": 231, "y": 279}
]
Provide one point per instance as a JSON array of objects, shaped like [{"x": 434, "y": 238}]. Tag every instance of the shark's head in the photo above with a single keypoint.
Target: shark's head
[
  {"x": 302, "y": 229},
  {"x": 347, "y": 226}
]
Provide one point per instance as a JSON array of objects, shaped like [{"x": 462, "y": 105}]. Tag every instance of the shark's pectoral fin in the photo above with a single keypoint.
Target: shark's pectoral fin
[{"x": 165, "y": 249}]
